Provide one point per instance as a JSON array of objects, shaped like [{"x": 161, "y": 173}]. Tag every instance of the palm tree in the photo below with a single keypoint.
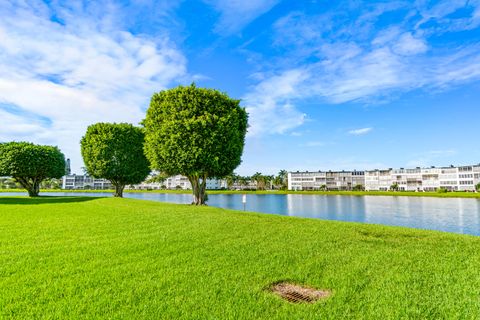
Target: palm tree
[
  {"x": 231, "y": 180},
  {"x": 269, "y": 181},
  {"x": 243, "y": 181},
  {"x": 257, "y": 178},
  {"x": 277, "y": 182},
  {"x": 283, "y": 176}
]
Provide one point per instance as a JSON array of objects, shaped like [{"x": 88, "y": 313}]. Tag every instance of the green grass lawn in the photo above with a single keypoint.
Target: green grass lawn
[{"x": 83, "y": 257}]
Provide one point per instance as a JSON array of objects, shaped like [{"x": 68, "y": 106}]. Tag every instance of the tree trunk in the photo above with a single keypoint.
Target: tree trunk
[
  {"x": 33, "y": 187},
  {"x": 198, "y": 188},
  {"x": 118, "y": 190}
]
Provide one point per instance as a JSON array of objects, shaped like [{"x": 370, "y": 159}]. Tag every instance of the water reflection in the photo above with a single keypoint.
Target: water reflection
[{"x": 453, "y": 214}]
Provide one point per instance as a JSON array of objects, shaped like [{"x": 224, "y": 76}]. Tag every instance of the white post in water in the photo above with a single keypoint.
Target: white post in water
[{"x": 244, "y": 201}]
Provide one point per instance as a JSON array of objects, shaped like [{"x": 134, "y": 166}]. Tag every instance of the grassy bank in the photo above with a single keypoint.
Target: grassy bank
[
  {"x": 460, "y": 194},
  {"x": 86, "y": 257}
]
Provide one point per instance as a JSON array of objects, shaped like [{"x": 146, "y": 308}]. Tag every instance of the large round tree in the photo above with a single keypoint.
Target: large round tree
[
  {"x": 114, "y": 151},
  {"x": 195, "y": 132},
  {"x": 29, "y": 164}
]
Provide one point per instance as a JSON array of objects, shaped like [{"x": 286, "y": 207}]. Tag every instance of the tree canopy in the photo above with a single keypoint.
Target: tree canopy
[
  {"x": 196, "y": 132},
  {"x": 29, "y": 164},
  {"x": 114, "y": 151}
]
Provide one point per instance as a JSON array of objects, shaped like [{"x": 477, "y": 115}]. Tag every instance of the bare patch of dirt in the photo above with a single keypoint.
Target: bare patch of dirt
[{"x": 298, "y": 294}]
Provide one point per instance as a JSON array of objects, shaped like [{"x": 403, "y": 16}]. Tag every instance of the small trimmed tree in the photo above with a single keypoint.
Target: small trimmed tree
[
  {"x": 114, "y": 151},
  {"x": 477, "y": 187},
  {"x": 394, "y": 187},
  {"x": 195, "y": 132},
  {"x": 442, "y": 190},
  {"x": 358, "y": 187},
  {"x": 30, "y": 164}
]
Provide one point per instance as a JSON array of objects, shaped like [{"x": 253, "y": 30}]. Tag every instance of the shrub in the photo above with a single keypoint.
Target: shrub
[{"x": 442, "y": 190}]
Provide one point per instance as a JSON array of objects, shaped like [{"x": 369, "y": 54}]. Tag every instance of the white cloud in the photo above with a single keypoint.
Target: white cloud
[
  {"x": 236, "y": 14},
  {"x": 21, "y": 127},
  {"x": 409, "y": 45},
  {"x": 76, "y": 76},
  {"x": 344, "y": 61},
  {"x": 270, "y": 105},
  {"x": 359, "y": 132}
]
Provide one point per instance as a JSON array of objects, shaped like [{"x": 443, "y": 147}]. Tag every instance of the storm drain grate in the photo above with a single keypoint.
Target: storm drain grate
[{"x": 298, "y": 294}]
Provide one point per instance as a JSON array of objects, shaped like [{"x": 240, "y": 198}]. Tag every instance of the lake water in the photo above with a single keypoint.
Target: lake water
[{"x": 444, "y": 214}]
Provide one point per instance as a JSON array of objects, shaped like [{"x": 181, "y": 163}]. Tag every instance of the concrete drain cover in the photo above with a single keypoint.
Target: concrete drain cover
[{"x": 298, "y": 294}]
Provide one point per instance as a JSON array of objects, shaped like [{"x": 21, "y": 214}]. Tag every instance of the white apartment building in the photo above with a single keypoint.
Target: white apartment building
[
  {"x": 378, "y": 180},
  {"x": 174, "y": 182},
  {"x": 452, "y": 178},
  {"x": 73, "y": 181},
  {"x": 330, "y": 180},
  {"x": 424, "y": 179},
  {"x": 179, "y": 182}
]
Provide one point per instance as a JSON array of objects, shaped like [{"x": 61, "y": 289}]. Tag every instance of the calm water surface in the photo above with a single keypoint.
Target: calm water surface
[{"x": 452, "y": 215}]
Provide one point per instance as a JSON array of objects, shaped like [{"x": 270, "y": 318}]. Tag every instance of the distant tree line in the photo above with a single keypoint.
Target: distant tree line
[{"x": 258, "y": 181}]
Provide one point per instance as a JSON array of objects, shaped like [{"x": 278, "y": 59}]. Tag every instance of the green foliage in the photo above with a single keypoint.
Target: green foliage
[
  {"x": 477, "y": 187},
  {"x": 195, "y": 132},
  {"x": 158, "y": 178},
  {"x": 244, "y": 181},
  {"x": 81, "y": 257},
  {"x": 282, "y": 179},
  {"x": 30, "y": 164},
  {"x": 231, "y": 180},
  {"x": 358, "y": 187},
  {"x": 51, "y": 184},
  {"x": 114, "y": 151},
  {"x": 262, "y": 181},
  {"x": 442, "y": 190},
  {"x": 394, "y": 187}
]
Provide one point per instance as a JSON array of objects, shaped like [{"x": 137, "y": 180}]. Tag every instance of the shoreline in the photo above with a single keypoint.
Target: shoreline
[{"x": 458, "y": 194}]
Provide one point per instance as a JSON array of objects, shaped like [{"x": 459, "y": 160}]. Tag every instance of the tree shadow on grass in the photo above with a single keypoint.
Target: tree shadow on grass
[{"x": 44, "y": 200}]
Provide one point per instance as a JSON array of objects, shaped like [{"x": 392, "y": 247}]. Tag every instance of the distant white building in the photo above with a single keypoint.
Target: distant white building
[
  {"x": 179, "y": 182},
  {"x": 424, "y": 179},
  {"x": 330, "y": 180},
  {"x": 73, "y": 181},
  {"x": 463, "y": 178},
  {"x": 243, "y": 185},
  {"x": 174, "y": 182},
  {"x": 378, "y": 180}
]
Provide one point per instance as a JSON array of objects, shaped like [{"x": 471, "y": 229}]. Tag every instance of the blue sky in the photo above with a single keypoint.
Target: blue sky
[{"x": 327, "y": 84}]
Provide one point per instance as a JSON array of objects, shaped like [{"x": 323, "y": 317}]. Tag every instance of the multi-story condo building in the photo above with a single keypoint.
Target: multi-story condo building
[
  {"x": 179, "y": 182},
  {"x": 330, "y": 180},
  {"x": 173, "y": 182},
  {"x": 378, "y": 180},
  {"x": 463, "y": 178},
  {"x": 424, "y": 179},
  {"x": 74, "y": 181},
  {"x": 243, "y": 185}
]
